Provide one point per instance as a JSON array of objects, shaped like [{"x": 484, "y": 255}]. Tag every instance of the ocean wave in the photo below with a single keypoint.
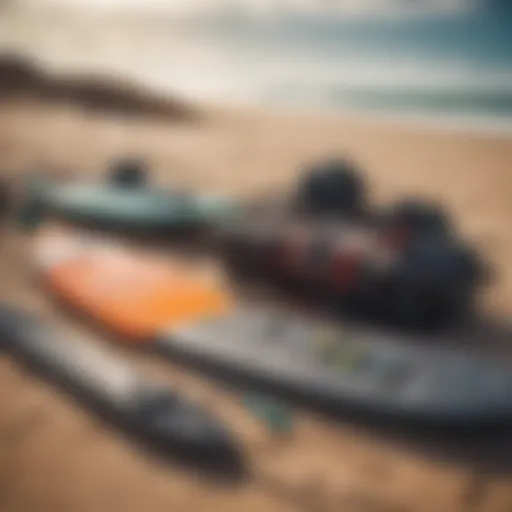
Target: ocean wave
[{"x": 385, "y": 76}]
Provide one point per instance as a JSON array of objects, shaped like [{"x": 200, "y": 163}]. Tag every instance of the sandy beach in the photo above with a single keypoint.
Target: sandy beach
[{"x": 55, "y": 457}]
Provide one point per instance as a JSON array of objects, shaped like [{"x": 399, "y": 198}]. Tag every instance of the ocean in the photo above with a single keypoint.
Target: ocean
[{"x": 450, "y": 67}]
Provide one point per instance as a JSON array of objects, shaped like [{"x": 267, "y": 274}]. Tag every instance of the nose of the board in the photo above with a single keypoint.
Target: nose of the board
[
  {"x": 188, "y": 430},
  {"x": 199, "y": 432},
  {"x": 55, "y": 245}
]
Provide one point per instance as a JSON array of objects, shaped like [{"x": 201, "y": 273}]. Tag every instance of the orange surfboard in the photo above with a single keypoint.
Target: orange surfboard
[{"x": 131, "y": 293}]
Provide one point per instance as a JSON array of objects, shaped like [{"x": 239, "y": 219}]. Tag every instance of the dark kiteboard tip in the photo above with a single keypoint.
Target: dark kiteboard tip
[
  {"x": 159, "y": 418},
  {"x": 189, "y": 432},
  {"x": 128, "y": 173}
]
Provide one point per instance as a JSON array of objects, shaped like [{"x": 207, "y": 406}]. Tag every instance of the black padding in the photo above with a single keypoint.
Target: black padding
[
  {"x": 420, "y": 217},
  {"x": 335, "y": 186},
  {"x": 129, "y": 173}
]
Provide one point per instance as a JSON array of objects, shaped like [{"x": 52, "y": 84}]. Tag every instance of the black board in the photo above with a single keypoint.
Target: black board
[
  {"x": 157, "y": 416},
  {"x": 346, "y": 367}
]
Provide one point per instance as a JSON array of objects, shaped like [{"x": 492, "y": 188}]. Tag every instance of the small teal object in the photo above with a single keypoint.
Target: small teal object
[
  {"x": 276, "y": 415},
  {"x": 30, "y": 215},
  {"x": 33, "y": 207}
]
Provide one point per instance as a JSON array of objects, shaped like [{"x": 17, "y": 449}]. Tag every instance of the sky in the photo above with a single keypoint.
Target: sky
[{"x": 251, "y": 6}]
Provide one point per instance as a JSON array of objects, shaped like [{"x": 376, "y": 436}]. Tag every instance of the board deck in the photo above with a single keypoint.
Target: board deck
[
  {"x": 343, "y": 367},
  {"x": 145, "y": 209},
  {"x": 130, "y": 293}
]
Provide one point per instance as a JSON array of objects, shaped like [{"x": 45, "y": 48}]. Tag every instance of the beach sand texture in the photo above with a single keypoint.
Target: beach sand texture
[{"x": 55, "y": 457}]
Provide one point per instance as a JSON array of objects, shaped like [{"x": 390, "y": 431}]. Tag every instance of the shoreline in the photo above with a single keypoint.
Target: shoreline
[
  {"x": 479, "y": 126},
  {"x": 470, "y": 125}
]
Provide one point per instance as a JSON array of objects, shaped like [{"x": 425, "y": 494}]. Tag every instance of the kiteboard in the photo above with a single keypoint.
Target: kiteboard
[
  {"x": 131, "y": 293},
  {"x": 140, "y": 209},
  {"x": 342, "y": 367},
  {"x": 156, "y": 414},
  {"x": 335, "y": 366}
]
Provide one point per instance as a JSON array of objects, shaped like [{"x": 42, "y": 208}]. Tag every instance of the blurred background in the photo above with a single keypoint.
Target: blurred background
[{"x": 442, "y": 61}]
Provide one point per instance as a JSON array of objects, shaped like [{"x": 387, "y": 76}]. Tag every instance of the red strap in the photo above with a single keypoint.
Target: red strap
[
  {"x": 396, "y": 237},
  {"x": 344, "y": 271},
  {"x": 287, "y": 255}
]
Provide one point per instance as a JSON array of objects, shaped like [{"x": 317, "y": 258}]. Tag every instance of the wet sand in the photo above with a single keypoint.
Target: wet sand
[{"x": 57, "y": 457}]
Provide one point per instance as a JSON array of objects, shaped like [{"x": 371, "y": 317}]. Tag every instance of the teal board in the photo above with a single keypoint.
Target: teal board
[{"x": 128, "y": 208}]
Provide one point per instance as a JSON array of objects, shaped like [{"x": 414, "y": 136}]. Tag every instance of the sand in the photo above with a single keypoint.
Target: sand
[{"x": 55, "y": 457}]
